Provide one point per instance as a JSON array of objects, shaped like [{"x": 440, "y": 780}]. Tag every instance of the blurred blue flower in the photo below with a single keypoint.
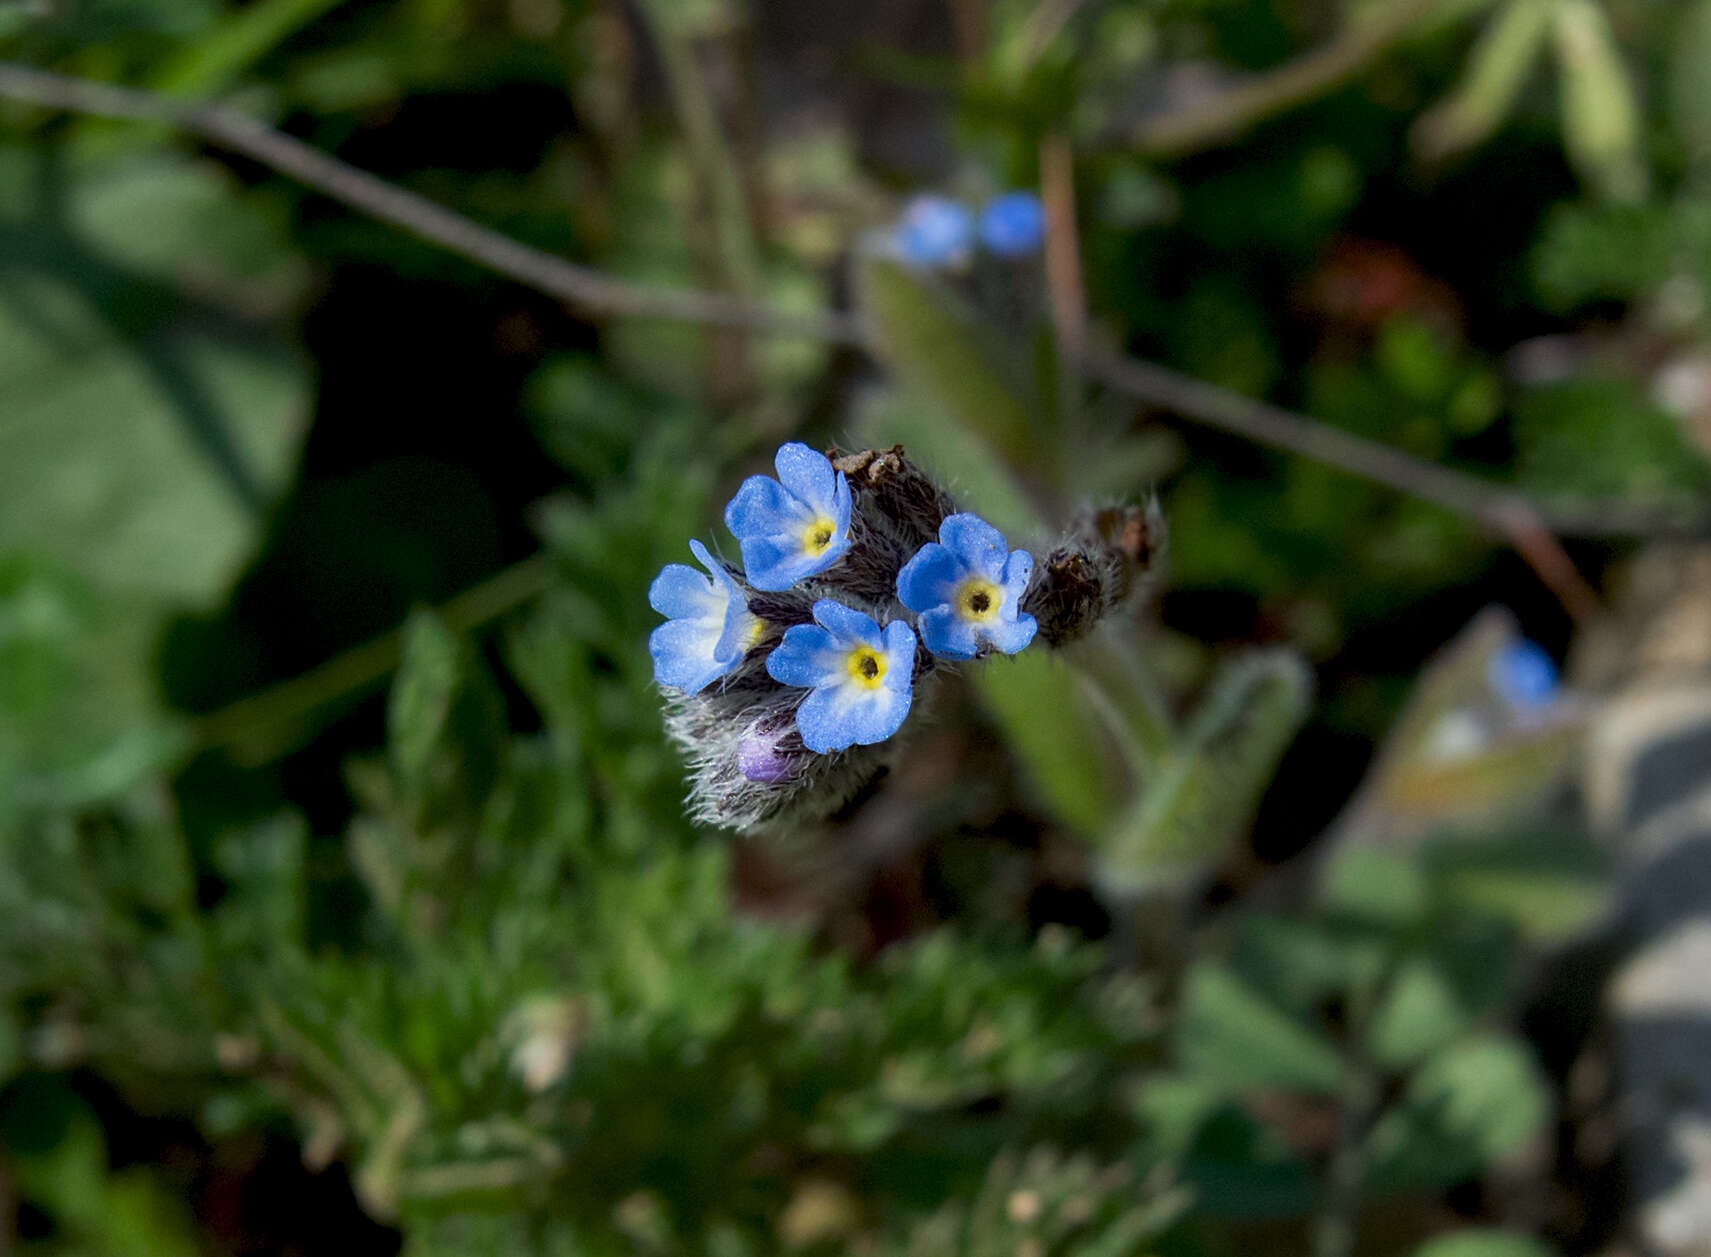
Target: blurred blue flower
[
  {"x": 709, "y": 629},
  {"x": 1523, "y": 675},
  {"x": 967, "y": 588},
  {"x": 793, "y": 529},
  {"x": 1013, "y": 225},
  {"x": 935, "y": 231},
  {"x": 862, "y": 678}
]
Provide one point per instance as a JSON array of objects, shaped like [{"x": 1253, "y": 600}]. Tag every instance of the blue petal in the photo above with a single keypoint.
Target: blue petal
[
  {"x": 774, "y": 563},
  {"x": 841, "y": 506},
  {"x": 1018, "y": 570},
  {"x": 1013, "y": 225},
  {"x": 934, "y": 231},
  {"x": 682, "y": 652},
  {"x": 835, "y": 717},
  {"x": 764, "y": 507},
  {"x": 806, "y": 657},
  {"x": 808, "y": 475},
  {"x": 899, "y": 656},
  {"x": 730, "y": 590},
  {"x": 680, "y": 592},
  {"x": 1011, "y": 636},
  {"x": 738, "y": 632},
  {"x": 930, "y": 578},
  {"x": 847, "y": 626},
  {"x": 948, "y": 635},
  {"x": 977, "y": 543}
]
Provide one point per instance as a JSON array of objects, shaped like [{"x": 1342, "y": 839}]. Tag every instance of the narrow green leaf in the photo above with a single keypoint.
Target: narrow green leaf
[
  {"x": 1205, "y": 791},
  {"x": 1600, "y": 115},
  {"x": 1482, "y": 1242},
  {"x": 1549, "y": 886},
  {"x": 1690, "y": 82},
  {"x": 219, "y": 56},
  {"x": 1059, "y": 740},
  {"x": 1507, "y": 50},
  {"x": 939, "y": 349},
  {"x": 1234, "y": 1037}
]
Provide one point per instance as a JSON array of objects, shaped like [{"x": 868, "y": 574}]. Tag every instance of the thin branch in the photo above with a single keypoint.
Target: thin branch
[
  {"x": 263, "y": 726},
  {"x": 1064, "y": 287},
  {"x": 1505, "y": 511},
  {"x": 1499, "y": 508},
  {"x": 1228, "y": 114},
  {"x": 586, "y": 290}
]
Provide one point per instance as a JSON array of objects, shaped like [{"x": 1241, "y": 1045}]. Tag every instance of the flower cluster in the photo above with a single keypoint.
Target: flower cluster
[
  {"x": 966, "y": 588},
  {"x": 788, "y": 677},
  {"x": 936, "y": 232}
]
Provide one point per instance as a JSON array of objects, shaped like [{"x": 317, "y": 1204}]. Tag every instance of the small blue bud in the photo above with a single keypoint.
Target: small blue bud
[
  {"x": 1523, "y": 675},
  {"x": 935, "y": 231},
  {"x": 1013, "y": 225}
]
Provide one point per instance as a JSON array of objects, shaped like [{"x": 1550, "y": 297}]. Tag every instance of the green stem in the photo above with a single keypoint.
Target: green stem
[
  {"x": 709, "y": 151},
  {"x": 263, "y": 727},
  {"x": 1334, "y": 1227}
]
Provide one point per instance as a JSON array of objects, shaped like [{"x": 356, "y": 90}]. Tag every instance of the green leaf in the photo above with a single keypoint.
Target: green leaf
[
  {"x": 1057, "y": 737},
  {"x": 1549, "y": 885},
  {"x": 1204, "y": 794},
  {"x": 78, "y": 720},
  {"x": 940, "y": 351},
  {"x": 1592, "y": 251},
  {"x": 1603, "y": 436},
  {"x": 1371, "y": 884},
  {"x": 1690, "y": 82},
  {"x": 1600, "y": 116},
  {"x": 1237, "y": 1039},
  {"x": 1507, "y": 50},
  {"x": 147, "y": 426},
  {"x": 1468, "y": 1107},
  {"x": 217, "y": 57},
  {"x": 152, "y": 415},
  {"x": 446, "y": 728},
  {"x": 1418, "y": 1014},
  {"x": 1482, "y": 1242}
]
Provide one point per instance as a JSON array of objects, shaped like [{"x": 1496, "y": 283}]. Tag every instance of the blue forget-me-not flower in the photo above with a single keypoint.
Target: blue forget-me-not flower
[
  {"x": 1013, "y": 225},
  {"x": 967, "y": 588},
  {"x": 935, "y": 231},
  {"x": 793, "y": 527},
  {"x": 709, "y": 629},
  {"x": 1523, "y": 675},
  {"x": 862, "y": 678}
]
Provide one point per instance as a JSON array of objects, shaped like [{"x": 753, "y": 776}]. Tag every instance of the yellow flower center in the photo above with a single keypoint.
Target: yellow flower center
[
  {"x": 818, "y": 535},
  {"x": 757, "y": 630},
  {"x": 979, "y": 600},
  {"x": 867, "y": 667}
]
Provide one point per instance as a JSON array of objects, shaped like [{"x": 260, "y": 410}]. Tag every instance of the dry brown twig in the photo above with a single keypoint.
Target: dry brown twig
[
  {"x": 1232, "y": 111},
  {"x": 588, "y": 290}
]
